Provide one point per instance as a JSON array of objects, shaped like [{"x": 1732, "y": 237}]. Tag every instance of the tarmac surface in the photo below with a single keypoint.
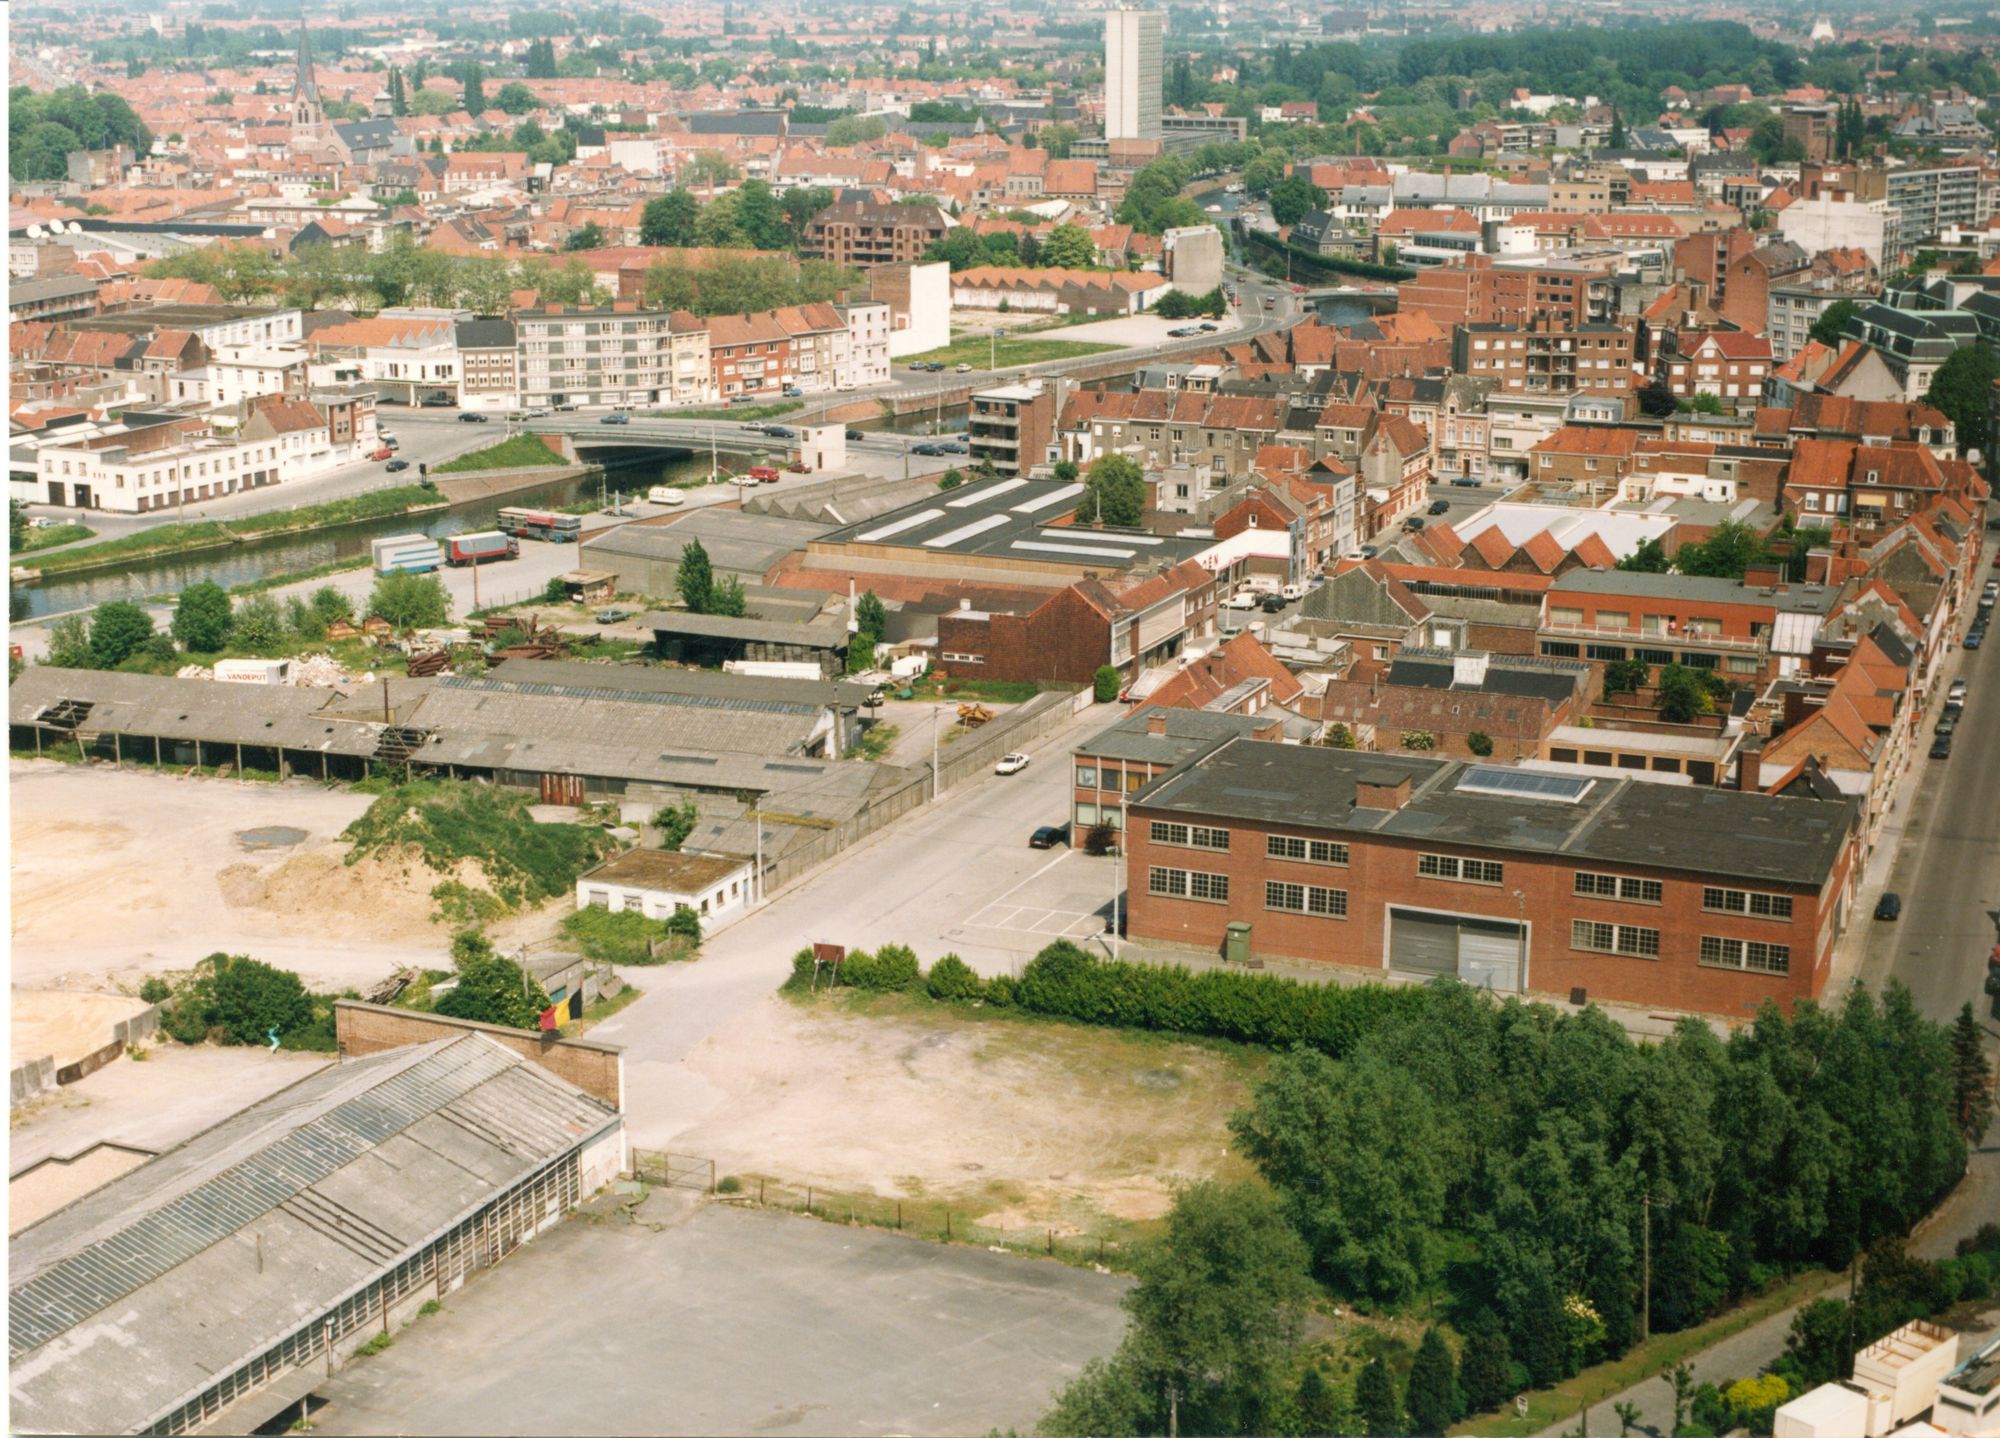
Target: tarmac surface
[{"x": 690, "y": 1317}]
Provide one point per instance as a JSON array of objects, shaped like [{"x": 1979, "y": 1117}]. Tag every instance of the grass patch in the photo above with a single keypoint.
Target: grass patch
[
  {"x": 622, "y": 938},
  {"x": 601, "y": 1010},
  {"x": 205, "y": 534},
  {"x": 1595, "y": 1386},
  {"x": 744, "y": 412},
  {"x": 49, "y": 538},
  {"x": 999, "y": 691},
  {"x": 521, "y": 451},
  {"x": 299, "y": 576},
  {"x": 374, "y": 1345},
  {"x": 982, "y": 353},
  {"x": 875, "y": 742},
  {"x": 441, "y": 823}
]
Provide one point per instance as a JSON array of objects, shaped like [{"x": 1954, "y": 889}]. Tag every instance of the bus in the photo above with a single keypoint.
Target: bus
[{"x": 541, "y": 524}]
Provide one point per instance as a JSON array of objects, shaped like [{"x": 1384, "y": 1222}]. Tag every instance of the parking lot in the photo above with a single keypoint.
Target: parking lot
[
  {"x": 1067, "y": 898},
  {"x": 702, "y": 1319}
]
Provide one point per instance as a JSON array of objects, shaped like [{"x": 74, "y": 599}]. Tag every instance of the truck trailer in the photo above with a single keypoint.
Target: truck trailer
[
  {"x": 414, "y": 552},
  {"x": 482, "y": 547}
]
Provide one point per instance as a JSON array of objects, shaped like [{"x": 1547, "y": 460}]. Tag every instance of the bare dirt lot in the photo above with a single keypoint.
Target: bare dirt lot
[
  {"x": 1020, "y": 1125},
  {"x": 64, "y": 1026},
  {"x": 122, "y": 873}
]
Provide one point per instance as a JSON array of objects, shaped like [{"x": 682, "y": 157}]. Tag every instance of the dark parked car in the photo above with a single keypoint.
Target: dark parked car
[
  {"x": 778, "y": 431},
  {"x": 1889, "y": 906},
  {"x": 1439, "y": 506},
  {"x": 614, "y": 418},
  {"x": 1946, "y": 727},
  {"x": 952, "y": 446},
  {"x": 1941, "y": 748},
  {"x": 1048, "y": 836},
  {"x": 396, "y": 465},
  {"x": 1274, "y": 604},
  {"x": 854, "y": 434},
  {"x": 1465, "y": 481},
  {"x": 1974, "y": 638},
  {"x": 1414, "y": 523},
  {"x": 927, "y": 448},
  {"x": 472, "y": 419}
]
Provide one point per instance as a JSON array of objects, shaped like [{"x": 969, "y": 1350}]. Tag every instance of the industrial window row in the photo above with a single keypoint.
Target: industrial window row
[
  {"x": 1309, "y": 851},
  {"x": 1739, "y": 901},
  {"x": 1627, "y": 939},
  {"x": 1191, "y": 836},
  {"x": 1617, "y": 886},
  {"x": 1187, "y": 884},
  {"x": 1305, "y": 899},
  {"x": 483, "y": 1239},
  {"x": 1746, "y": 954},
  {"x": 1466, "y": 871}
]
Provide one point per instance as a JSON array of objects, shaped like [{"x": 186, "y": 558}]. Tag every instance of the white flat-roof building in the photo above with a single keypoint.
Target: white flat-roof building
[{"x": 655, "y": 883}]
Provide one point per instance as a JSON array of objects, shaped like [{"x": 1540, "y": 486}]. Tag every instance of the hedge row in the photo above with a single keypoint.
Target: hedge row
[{"x": 1065, "y": 982}]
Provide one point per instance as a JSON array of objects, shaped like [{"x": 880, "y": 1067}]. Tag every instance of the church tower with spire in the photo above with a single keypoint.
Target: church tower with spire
[{"x": 308, "y": 113}]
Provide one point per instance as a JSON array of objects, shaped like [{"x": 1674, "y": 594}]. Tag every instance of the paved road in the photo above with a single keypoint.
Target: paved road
[
  {"x": 917, "y": 882},
  {"x": 1947, "y": 864}
]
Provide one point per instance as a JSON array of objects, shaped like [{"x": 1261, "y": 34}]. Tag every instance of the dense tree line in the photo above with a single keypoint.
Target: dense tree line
[
  {"x": 742, "y": 285},
  {"x": 42, "y": 130},
  {"x": 1501, "y": 1164}
]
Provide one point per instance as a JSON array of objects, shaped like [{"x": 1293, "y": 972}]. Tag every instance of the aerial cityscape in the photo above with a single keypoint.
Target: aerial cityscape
[{"x": 860, "y": 719}]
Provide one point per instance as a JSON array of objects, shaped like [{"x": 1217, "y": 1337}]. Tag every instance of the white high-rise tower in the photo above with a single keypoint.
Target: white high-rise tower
[{"x": 1132, "y": 74}]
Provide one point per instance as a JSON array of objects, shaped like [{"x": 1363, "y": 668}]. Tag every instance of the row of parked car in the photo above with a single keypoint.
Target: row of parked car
[
  {"x": 1188, "y": 331},
  {"x": 1954, "y": 705}
]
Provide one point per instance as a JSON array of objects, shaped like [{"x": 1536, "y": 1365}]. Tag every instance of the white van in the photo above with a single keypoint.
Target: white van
[{"x": 666, "y": 494}]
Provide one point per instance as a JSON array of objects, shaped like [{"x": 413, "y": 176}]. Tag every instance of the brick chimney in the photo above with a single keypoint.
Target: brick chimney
[
  {"x": 1156, "y": 721},
  {"x": 1381, "y": 792},
  {"x": 1749, "y": 761}
]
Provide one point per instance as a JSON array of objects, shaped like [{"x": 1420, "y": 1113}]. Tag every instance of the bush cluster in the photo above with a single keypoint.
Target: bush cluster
[
  {"x": 1063, "y": 981},
  {"x": 628, "y": 937},
  {"x": 237, "y": 1000}
]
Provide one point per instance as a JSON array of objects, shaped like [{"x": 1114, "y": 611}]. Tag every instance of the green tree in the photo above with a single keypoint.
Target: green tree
[
  {"x": 117, "y": 630},
  {"x": 202, "y": 617},
  {"x": 1319, "y": 1406},
  {"x": 1731, "y": 547},
  {"x": 1056, "y": 138},
  {"x": 669, "y": 286},
  {"x": 1360, "y": 1155},
  {"x": 515, "y": 98},
  {"x": 331, "y": 606},
  {"x": 399, "y": 95},
  {"x": 260, "y": 625},
  {"x": 761, "y": 217},
  {"x": 1069, "y": 247},
  {"x": 1375, "y": 1401},
  {"x": 17, "y": 524},
  {"x": 855, "y": 130},
  {"x": 708, "y": 168},
  {"x": 1486, "y": 1371},
  {"x": 1971, "y": 1077},
  {"x": 1114, "y": 492},
  {"x": 1106, "y": 683},
  {"x": 958, "y": 247},
  {"x": 870, "y": 615},
  {"x": 1433, "y": 1398},
  {"x": 1831, "y": 326},
  {"x": 1821, "y": 1341},
  {"x": 1683, "y": 694},
  {"x": 1215, "y": 1321},
  {"x": 1680, "y": 1378},
  {"x": 69, "y": 644},
  {"x": 251, "y": 1000},
  {"x": 1293, "y": 197},
  {"x": 433, "y": 102},
  {"x": 729, "y": 600},
  {"x": 491, "y": 989},
  {"x": 1649, "y": 558},
  {"x": 43, "y": 152},
  {"x": 587, "y": 236},
  {"x": 951, "y": 479},
  {"x": 694, "y": 579},
  {"x": 472, "y": 77},
  {"x": 410, "y": 601},
  {"x": 1962, "y": 388}
]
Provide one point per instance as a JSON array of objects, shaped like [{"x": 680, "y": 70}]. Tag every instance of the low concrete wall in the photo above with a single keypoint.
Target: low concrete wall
[
  {"x": 597, "y": 1069},
  {"x": 30, "y": 1081},
  {"x": 491, "y": 483}
]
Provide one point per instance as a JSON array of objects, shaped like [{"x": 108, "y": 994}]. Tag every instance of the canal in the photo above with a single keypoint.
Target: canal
[{"x": 292, "y": 553}]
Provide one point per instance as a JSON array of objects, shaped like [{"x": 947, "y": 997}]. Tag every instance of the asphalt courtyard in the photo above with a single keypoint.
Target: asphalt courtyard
[
  {"x": 1067, "y": 898},
  {"x": 698, "y": 1318}
]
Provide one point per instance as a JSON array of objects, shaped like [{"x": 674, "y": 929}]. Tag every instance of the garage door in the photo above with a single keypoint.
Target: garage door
[
  {"x": 1485, "y": 953},
  {"x": 1489, "y": 954},
  {"x": 1425, "y": 944}
]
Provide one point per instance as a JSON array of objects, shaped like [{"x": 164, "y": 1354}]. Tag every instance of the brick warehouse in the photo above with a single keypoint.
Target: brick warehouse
[{"x": 1689, "y": 898}]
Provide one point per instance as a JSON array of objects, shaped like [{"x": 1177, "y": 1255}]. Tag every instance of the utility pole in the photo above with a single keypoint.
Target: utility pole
[{"x": 1646, "y": 1268}]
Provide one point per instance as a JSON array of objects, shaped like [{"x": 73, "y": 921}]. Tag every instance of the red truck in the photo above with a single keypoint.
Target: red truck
[{"x": 483, "y": 547}]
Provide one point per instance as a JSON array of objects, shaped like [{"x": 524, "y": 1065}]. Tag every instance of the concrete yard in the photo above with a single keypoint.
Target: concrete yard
[{"x": 701, "y": 1319}]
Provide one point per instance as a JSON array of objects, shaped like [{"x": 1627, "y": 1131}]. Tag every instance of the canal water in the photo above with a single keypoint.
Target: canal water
[{"x": 290, "y": 553}]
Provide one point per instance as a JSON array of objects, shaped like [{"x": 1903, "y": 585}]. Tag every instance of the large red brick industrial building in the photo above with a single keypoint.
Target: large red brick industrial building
[{"x": 1682, "y": 896}]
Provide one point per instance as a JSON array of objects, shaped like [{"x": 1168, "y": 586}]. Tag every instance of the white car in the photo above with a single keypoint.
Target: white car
[
  {"x": 1956, "y": 694},
  {"x": 1245, "y": 600},
  {"x": 1011, "y": 764}
]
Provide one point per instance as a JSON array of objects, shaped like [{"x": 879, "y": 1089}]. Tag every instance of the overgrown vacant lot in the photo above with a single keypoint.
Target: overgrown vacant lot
[{"x": 1019, "y": 1125}]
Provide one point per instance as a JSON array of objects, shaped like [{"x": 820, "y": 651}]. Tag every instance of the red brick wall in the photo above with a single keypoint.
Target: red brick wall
[
  {"x": 1382, "y": 872},
  {"x": 597, "y": 1069},
  {"x": 1063, "y": 639}
]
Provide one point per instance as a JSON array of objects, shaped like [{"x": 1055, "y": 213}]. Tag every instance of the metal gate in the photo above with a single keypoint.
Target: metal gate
[
  {"x": 673, "y": 1170},
  {"x": 1421, "y": 943}
]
